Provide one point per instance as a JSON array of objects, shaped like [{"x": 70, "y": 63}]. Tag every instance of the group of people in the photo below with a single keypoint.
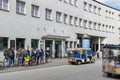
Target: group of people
[{"x": 24, "y": 57}]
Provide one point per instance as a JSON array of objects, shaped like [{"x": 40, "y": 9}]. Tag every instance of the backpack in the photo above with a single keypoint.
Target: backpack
[
  {"x": 10, "y": 53},
  {"x": 6, "y": 54},
  {"x": 25, "y": 53}
]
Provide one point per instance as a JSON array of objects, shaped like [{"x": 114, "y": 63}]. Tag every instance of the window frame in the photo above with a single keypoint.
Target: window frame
[
  {"x": 58, "y": 16},
  {"x": 48, "y": 13},
  {"x": 35, "y": 13},
  {"x": 65, "y": 19},
  {"x": 20, "y": 7},
  {"x": 4, "y": 6},
  {"x": 71, "y": 20}
]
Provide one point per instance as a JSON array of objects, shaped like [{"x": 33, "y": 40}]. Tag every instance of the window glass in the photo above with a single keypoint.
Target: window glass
[
  {"x": 34, "y": 43},
  {"x": 20, "y": 43},
  {"x": 3, "y": 43}
]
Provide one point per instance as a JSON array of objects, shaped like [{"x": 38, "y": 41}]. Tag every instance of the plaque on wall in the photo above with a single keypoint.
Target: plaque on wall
[{"x": 12, "y": 43}]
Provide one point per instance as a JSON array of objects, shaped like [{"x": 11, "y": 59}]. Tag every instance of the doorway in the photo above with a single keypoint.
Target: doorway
[
  {"x": 48, "y": 46},
  {"x": 58, "y": 51}
]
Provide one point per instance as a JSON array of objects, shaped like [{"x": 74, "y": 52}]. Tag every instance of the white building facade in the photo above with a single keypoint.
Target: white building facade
[{"x": 56, "y": 25}]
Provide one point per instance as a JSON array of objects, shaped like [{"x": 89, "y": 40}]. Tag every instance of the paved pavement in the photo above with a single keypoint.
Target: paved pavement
[{"x": 51, "y": 63}]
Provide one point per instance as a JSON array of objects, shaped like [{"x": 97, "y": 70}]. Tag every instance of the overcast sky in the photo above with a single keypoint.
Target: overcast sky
[{"x": 112, "y": 3}]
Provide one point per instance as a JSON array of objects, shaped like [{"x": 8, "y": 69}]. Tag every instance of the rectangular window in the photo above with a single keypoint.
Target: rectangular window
[
  {"x": 20, "y": 7},
  {"x": 3, "y": 43},
  {"x": 107, "y": 14},
  {"x": 76, "y": 3},
  {"x": 65, "y": 18},
  {"x": 71, "y": 20},
  {"x": 113, "y": 29},
  {"x": 90, "y": 25},
  {"x": 119, "y": 30},
  {"x": 85, "y": 23},
  {"x": 113, "y": 15},
  {"x": 103, "y": 27},
  {"x": 71, "y": 2},
  {"x": 85, "y": 6},
  {"x": 35, "y": 11},
  {"x": 4, "y": 5},
  {"x": 106, "y": 28},
  {"x": 76, "y": 21},
  {"x": 20, "y": 43},
  {"x": 99, "y": 11},
  {"x": 99, "y": 26},
  {"x": 110, "y": 29},
  {"x": 80, "y": 22},
  {"x": 34, "y": 43},
  {"x": 95, "y": 9},
  {"x": 58, "y": 16},
  {"x": 95, "y": 26},
  {"x": 119, "y": 17},
  {"x": 90, "y": 7},
  {"x": 48, "y": 14}
]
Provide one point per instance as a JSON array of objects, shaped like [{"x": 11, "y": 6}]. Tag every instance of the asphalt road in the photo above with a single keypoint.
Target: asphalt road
[{"x": 64, "y": 72}]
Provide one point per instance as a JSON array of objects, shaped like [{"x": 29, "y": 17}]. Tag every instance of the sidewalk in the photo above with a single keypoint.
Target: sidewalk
[{"x": 51, "y": 63}]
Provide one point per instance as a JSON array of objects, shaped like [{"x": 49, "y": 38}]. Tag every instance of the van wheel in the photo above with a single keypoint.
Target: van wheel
[
  {"x": 107, "y": 74},
  {"x": 79, "y": 62}
]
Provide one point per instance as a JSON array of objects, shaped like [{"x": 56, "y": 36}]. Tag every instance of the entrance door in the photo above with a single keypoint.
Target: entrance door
[
  {"x": 58, "y": 51},
  {"x": 48, "y": 46}
]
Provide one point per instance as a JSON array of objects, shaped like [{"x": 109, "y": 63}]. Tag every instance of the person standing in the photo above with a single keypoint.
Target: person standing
[
  {"x": 19, "y": 57},
  {"x": 47, "y": 56},
  {"x": 32, "y": 56},
  {"x": 37, "y": 55},
  {"x": 42, "y": 55},
  {"x": 26, "y": 57},
  {"x": 12, "y": 55},
  {"x": 7, "y": 60},
  {"x": 28, "y": 54}
]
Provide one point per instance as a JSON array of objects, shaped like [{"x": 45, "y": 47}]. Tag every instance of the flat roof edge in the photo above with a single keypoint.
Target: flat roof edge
[{"x": 106, "y": 5}]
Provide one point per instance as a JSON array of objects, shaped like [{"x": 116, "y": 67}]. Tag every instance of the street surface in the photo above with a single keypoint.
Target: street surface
[{"x": 63, "y": 72}]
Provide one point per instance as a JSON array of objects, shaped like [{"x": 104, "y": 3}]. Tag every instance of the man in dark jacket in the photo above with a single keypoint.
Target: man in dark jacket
[
  {"x": 12, "y": 55},
  {"x": 41, "y": 56},
  {"x": 38, "y": 54}
]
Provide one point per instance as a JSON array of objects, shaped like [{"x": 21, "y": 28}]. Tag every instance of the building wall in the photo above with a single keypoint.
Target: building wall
[{"x": 15, "y": 25}]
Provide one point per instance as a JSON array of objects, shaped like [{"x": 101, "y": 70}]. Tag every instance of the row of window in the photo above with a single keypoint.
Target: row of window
[
  {"x": 97, "y": 26},
  {"x": 71, "y": 2},
  {"x": 20, "y": 7},
  {"x": 97, "y": 10},
  {"x": 75, "y": 21},
  {"x": 67, "y": 19},
  {"x": 110, "y": 14},
  {"x": 20, "y": 43},
  {"x": 92, "y": 8}
]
